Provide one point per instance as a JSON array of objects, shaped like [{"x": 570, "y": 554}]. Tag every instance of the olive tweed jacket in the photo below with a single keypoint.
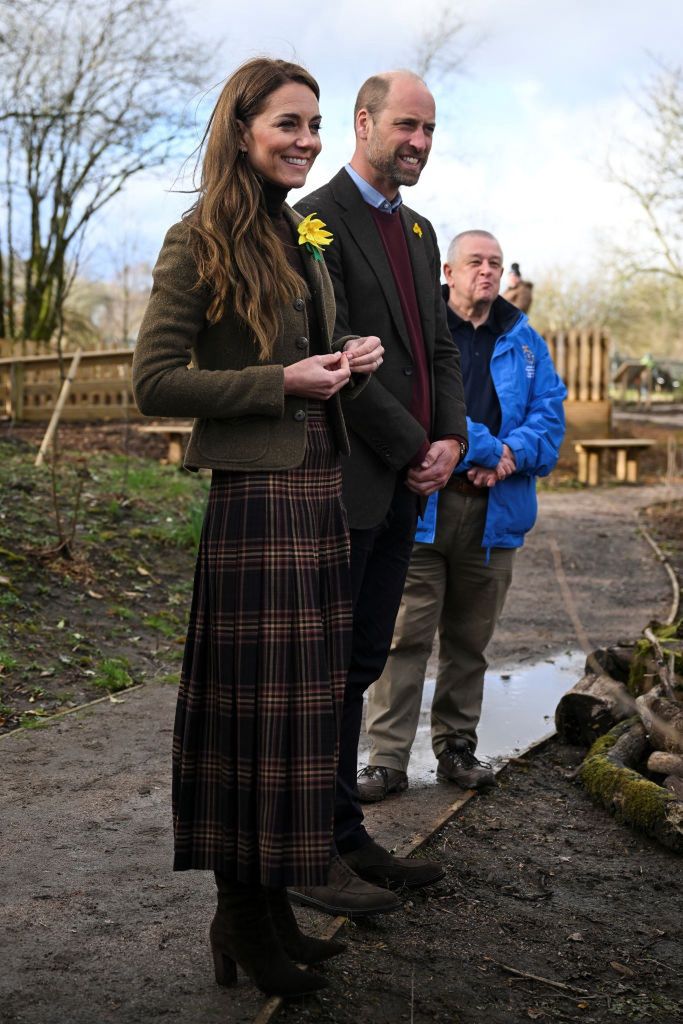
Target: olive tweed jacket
[{"x": 243, "y": 419}]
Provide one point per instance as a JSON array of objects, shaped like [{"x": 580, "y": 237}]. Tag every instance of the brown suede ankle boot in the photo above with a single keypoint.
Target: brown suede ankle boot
[
  {"x": 304, "y": 949},
  {"x": 242, "y": 933}
]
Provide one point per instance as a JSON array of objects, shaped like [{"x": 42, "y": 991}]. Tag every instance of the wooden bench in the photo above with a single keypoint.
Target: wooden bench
[
  {"x": 176, "y": 434},
  {"x": 627, "y": 449}
]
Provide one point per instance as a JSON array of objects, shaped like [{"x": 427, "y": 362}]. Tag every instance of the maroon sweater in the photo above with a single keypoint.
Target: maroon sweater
[{"x": 395, "y": 245}]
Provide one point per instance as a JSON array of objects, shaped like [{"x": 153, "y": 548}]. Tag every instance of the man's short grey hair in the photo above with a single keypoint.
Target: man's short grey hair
[
  {"x": 452, "y": 253},
  {"x": 372, "y": 95}
]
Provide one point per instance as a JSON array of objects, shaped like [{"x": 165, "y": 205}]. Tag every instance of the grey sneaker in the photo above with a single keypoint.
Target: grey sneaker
[
  {"x": 375, "y": 782},
  {"x": 458, "y": 764}
]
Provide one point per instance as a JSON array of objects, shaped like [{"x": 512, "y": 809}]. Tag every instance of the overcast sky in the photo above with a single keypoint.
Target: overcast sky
[{"x": 548, "y": 91}]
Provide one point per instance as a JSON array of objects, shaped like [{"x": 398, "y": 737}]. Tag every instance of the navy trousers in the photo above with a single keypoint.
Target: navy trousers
[{"x": 379, "y": 564}]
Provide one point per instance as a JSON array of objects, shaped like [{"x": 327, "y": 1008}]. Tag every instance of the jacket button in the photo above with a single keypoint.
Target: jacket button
[
  {"x": 301, "y": 343},
  {"x": 298, "y": 303},
  {"x": 407, "y": 371},
  {"x": 300, "y": 415}
]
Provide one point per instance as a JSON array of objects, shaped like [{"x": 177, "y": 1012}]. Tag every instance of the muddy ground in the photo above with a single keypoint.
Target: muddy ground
[
  {"x": 538, "y": 883},
  {"x": 97, "y": 929}
]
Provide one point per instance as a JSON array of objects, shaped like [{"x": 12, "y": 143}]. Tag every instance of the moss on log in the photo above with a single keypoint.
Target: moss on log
[{"x": 609, "y": 777}]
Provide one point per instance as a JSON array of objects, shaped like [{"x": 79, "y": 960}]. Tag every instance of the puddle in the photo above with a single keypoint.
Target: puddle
[{"x": 519, "y": 709}]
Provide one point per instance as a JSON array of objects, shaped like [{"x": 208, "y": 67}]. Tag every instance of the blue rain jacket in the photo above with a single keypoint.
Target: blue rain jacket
[{"x": 531, "y": 396}]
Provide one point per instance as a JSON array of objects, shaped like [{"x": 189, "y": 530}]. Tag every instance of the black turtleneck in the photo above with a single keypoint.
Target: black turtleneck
[{"x": 274, "y": 197}]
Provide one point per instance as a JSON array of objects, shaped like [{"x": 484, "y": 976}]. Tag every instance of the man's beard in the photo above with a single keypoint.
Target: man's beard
[{"x": 387, "y": 164}]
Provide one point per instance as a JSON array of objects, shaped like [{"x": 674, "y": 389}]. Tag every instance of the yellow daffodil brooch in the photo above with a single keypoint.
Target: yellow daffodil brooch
[
  {"x": 313, "y": 236},
  {"x": 417, "y": 230}
]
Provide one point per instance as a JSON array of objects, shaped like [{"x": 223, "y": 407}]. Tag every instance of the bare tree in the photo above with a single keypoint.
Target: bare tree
[
  {"x": 656, "y": 180},
  {"x": 438, "y": 51},
  {"x": 92, "y": 93},
  {"x": 643, "y": 313}
]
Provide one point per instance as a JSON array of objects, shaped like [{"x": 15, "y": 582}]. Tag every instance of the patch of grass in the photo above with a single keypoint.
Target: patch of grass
[
  {"x": 181, "y": 531},
  {"x": 121, "y": 612},
  {"x": 112, "y": 675},
  {"x": 30, "y": 721},
  {"x": 8, "y": 599},
  {"x": 164, "y": 623},
  {"x": 167, "y": 679},
  {"x": 7, "y": 662}
]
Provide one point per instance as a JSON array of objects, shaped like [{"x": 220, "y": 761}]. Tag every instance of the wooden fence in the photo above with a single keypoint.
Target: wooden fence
[
  {"x": 29, "y": 385},
  {"x": 582, "y": 361}
]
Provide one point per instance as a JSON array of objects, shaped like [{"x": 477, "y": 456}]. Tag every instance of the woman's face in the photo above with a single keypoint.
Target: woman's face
[{"x": 283, "y": 140}]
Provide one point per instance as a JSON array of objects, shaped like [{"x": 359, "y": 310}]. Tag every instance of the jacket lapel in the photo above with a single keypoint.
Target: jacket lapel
[
  {"x": 313, "y": 277},
  {"x": 364, "y": 232},
  {"x": 424, "y": 285}
]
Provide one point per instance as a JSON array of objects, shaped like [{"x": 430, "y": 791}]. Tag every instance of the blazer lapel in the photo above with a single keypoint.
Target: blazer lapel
[
  {"x": 313, "y": 276},
  {"x": 364, "y": 232},
  {"x": 424, "y": 285}
]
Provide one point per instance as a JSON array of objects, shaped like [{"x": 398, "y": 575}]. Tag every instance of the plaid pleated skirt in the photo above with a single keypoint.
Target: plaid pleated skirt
[{"x": 259, "y": 707}]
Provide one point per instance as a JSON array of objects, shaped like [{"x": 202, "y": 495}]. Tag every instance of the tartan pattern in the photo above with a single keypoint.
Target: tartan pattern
[{"x": 259, "y": 707}]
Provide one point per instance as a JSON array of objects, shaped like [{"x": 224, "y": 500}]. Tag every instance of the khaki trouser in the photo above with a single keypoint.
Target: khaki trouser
[{"x": 449, "y": 585}]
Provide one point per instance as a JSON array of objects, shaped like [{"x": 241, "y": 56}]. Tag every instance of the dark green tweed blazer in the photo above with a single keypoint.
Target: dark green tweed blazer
[{"x": 184, "y": 366}]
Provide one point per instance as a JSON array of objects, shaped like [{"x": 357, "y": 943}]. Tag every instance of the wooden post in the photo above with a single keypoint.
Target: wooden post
[
  {"x": 670, "y": 459},
  {"x": 61, "y": 401},
  {"x": 621, "y": 464},
  {"x": 584, "y": 366},
  {"x": 598, "y": 388},
  {"x": 583, "y": 464},
  {"x": 175, "y": 448},
  {"x": 632, "y": 468},
  {"x": 572, "y": 365},
  {"x": 17, "y": 378}
]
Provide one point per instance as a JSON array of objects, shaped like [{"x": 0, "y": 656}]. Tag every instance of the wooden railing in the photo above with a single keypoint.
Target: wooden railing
[{"x": 29, "y": 385}]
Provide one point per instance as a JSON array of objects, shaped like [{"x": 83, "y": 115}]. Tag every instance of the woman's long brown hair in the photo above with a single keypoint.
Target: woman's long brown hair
[{"x": 238, "y": 253}]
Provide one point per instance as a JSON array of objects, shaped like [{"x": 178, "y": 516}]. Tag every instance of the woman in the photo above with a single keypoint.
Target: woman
[{"x": 240, "y": 288}]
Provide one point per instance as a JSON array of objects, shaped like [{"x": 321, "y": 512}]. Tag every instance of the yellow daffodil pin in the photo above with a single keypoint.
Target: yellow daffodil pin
[
  {"x": 313, "y": 236},
  {"x": 417, "y": 230}
]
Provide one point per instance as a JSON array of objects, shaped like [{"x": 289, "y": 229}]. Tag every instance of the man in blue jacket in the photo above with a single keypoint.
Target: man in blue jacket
[{"x": 462, "y": 561}]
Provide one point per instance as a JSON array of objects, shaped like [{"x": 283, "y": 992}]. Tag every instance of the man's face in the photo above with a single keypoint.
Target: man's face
[
  {"x": 400, "y": 138},
  {"x": 474, "y": 276}
]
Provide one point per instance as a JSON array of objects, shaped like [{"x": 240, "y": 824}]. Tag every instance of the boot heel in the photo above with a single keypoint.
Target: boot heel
[{"x": 224, "y": 967}]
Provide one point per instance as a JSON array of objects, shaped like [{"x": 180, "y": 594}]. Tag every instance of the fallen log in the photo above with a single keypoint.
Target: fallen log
[
  {"x": 592, "y": 707},
  {"x": 609, "y": 777},
  {"x": 613, "y": 661},
  {"x": 662, "y": 719},
  {"x": 662, "y": 763}
]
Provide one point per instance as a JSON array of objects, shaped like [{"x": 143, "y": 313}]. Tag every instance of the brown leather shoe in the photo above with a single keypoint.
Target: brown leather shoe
[
  {"x": 346, "y": 894},
  {"x": 375, "y": 864},
  {"x": 375, "y": 782}
]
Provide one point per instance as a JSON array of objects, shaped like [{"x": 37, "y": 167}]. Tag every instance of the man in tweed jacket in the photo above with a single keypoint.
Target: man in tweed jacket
[{"x": 407, "y": 429}]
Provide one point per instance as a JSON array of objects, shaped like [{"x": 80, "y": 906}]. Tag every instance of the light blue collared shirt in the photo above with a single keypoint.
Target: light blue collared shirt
[{"x": 371, "y": 196}]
